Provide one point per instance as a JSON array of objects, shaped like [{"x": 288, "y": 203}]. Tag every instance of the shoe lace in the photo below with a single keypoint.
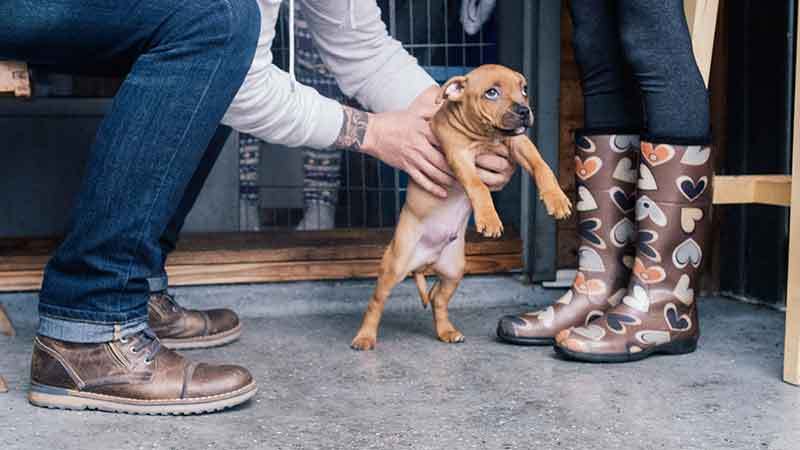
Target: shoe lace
[
  {"x": 170, "y": 299},
  {"x": 146, "y": 342}
]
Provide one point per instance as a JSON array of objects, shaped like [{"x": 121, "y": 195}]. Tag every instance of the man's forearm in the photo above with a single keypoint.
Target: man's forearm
[{"x": 354, "y": 129}]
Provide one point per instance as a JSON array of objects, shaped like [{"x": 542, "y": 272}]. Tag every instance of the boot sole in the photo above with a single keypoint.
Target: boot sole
[
  {"x": 681, "y": 347},
  {"x": 213, "y": 340},
  {"x": 530, "y": 342},
  {"x": 60, "y": 398}
]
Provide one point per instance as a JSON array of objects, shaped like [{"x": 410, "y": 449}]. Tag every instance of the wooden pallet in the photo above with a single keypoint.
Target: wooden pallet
[{"x": 222, "y": 258}]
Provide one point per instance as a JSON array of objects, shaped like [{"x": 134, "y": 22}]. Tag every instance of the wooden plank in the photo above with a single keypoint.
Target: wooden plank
[
  {"x": 14, "y": 78},
  {"x": 264, "y": 272},
  {"x": 225, "y": 248},
  {"x": 701, "y": 17},
  {"x": 763, "y": 189},
  {"x": 264, "y": 257},
  {"x": 21, "y": 280},
  {"x": 791, "y": 342},
  {"x": 294, "y": 271}
]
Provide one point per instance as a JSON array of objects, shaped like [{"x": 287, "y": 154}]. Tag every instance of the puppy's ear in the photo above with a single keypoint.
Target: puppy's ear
[{"x": 453, "y": 90}]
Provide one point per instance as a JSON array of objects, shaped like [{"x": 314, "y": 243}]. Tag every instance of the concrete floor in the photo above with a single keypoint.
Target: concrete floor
[{"x": 416, "y": 393}]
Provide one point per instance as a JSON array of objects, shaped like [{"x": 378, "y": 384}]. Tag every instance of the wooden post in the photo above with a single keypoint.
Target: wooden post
[
  {"x": 701, "y": 16},
  {"x": 791, "y": 342}
]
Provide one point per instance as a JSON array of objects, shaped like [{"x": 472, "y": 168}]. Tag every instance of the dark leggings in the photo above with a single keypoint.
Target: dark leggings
[{"x": 638, "y": 71}]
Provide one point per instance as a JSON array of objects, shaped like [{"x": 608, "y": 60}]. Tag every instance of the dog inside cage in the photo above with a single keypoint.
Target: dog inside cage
[{"x": 327, "y": 189}]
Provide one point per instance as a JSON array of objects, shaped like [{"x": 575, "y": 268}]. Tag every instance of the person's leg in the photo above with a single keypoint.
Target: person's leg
[
  {"x": 146, "y": 149},
  {"x": 611, "y": 99},
  {"x": 178, "y": 327},
  {"x": 321, "y": 168},
  {"x": 169, "y": 239},
  {"x": 606, "y": 169},
  {"x": 249, "y": 195},
  {"x": 658, "y": 313},
  {"x": 189, "y": 60},
  {"x": 321, "y": 181}
]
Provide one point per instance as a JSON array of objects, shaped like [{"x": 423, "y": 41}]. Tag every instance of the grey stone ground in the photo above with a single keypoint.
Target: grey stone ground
[{"x": 416, "y": 393}]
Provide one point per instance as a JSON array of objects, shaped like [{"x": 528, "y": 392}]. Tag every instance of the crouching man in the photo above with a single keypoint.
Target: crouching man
[{"x": 194, "y": 65}]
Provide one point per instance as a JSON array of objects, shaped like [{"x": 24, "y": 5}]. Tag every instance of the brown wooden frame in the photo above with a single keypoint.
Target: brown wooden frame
[{"x": 221, "y": 258}]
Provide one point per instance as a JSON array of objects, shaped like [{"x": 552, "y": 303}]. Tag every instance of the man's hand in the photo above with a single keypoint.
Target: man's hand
[
  {"x": 404, "y": 140},
  {"x": 495, "y": 171}
]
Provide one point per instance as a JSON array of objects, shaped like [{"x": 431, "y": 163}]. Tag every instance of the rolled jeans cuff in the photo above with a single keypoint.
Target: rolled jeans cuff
[
  {"x": 87, "y": 332},
  {"x": 158, "y": 284}
]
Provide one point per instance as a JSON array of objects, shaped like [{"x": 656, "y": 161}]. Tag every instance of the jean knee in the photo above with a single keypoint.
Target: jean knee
[
  {"x": 230, "y": 27},
  {"x": 246, "y": 29}
]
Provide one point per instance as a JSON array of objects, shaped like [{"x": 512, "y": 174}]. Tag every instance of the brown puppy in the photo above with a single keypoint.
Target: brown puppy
[{"x": 486, "y": 111}]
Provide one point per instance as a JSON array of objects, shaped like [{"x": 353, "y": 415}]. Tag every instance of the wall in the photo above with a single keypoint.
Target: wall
[{"x": 42, "y": 158}]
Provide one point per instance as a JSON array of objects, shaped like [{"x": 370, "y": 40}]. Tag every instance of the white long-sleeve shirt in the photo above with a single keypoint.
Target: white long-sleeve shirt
[{"x": 353, "y": 42}]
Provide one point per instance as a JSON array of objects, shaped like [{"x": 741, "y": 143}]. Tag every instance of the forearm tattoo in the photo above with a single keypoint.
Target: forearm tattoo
[{"x": 354, "y": 128}]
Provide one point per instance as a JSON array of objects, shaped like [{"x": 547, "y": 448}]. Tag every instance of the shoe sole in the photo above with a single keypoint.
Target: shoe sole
[
  {"x": 530, "y": 342},
  {"x": 60, "y": 398},
  {"x": 213, "y": 340},
  {"x": 681, "y": 347}
]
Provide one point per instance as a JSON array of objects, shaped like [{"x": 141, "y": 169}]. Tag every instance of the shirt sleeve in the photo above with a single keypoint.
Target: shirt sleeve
[
  {"x": 369, "y": 65},
  {"x": 268, "y": 107}
]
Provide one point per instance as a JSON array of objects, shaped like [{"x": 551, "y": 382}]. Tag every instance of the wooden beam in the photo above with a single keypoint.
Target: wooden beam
[
  {"x": 762, "y": 189},
  {"x": 701, "y": 17},
  {"x": 270, "y": 246},
  {"x": 218, "y": 258},
  {"x": 791, "y": 342},
  {"x": 186, "y": 275},
  {"x": 266, "y": 272}
]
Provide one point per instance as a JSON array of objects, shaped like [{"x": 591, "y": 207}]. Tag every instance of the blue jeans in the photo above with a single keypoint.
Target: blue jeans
[
  {"x": 638, "y": 71},
  {"x": 187, "y": 61}
]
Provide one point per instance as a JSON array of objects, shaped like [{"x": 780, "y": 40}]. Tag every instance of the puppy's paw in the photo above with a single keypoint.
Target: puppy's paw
[
  {"x": 489, "y": 224},
  {"x": 363, "y": 343},
  {"x": 557, "y": 204},
  {"x": 451, "y": 336}
]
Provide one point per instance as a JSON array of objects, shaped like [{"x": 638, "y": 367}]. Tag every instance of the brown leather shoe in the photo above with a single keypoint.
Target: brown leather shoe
[
  {"x": 606, "y": 169},
  {"x": 132, "y": 375},
  {"x": 659, "y": 313},
  {"x": 180, "y": 328}
]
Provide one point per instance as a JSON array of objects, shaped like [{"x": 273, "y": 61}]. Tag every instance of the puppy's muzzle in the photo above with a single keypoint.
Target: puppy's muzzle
[
  {"x": 524, "y": 113},
  {"x": 517, "y": 119}
]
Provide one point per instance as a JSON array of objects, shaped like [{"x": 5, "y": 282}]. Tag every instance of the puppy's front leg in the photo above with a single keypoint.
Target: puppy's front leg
[
  {"x": 462, "y": 162},
  {"x": 525, "y": 153}
]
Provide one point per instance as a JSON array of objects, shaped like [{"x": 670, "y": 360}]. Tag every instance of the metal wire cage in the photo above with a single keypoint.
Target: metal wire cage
[{"x": 369, "y": 193}]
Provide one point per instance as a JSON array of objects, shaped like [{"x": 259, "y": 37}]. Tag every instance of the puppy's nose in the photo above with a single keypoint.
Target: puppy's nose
[{"x": 523, "y": 111}]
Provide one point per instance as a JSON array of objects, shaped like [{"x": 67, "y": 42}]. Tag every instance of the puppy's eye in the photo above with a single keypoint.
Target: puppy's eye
[
  {"x": 525, "y": 91},
  {"x": 492, "y": 94}
]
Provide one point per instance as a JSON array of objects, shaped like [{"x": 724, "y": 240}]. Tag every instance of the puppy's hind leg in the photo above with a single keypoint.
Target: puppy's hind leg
[
  {"x": 450, "y": 269},
  {"x": 394, "y": 268}
]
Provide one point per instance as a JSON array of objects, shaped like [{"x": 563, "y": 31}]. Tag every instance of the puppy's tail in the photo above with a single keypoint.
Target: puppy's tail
[{"x": 422, "y": 287}]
